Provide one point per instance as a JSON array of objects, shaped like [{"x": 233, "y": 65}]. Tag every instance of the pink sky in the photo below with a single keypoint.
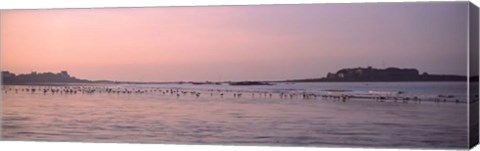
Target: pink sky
[{"x": 234, "y": 42}]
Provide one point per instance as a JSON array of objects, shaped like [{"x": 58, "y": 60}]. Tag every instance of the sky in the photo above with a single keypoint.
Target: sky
[{"x": 219, "y": 43}]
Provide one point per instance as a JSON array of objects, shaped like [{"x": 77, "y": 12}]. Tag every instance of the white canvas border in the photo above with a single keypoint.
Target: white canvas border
[{"x": 78, "y": 146}]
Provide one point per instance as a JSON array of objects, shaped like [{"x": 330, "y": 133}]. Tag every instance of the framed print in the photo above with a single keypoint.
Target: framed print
[{"x": 382, "y": 75}]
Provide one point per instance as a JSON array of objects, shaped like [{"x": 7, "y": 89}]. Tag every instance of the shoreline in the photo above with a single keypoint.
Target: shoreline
[
  {"x": 226, "y": 83},
  {"x": 225, "y": 91}
]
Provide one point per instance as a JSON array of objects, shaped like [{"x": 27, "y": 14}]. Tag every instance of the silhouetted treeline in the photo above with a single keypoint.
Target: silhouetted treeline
[
  {"x": 34, "y": 77},
  {"x": 370, "y": 74}
]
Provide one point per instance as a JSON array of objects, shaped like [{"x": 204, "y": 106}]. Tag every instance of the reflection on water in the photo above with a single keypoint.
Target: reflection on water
[{"x": 245, "y": 120}]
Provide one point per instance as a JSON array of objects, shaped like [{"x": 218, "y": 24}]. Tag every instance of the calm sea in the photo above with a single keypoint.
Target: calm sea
[{"x": 242, "y": 115}]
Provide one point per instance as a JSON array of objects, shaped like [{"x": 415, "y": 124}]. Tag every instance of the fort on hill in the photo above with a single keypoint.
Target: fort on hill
[
  {"x": 370, "y": 74},
  {"x": 34, "y": 77}
]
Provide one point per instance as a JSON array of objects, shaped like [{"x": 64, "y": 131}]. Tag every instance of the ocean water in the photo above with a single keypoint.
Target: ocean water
[{"x": 200, "y": 114}]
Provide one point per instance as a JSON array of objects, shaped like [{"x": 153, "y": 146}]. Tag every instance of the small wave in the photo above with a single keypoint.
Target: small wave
[
  {"x": 11, "y": 126},
  {"x": 16, "y": 118},
  {"x": 391, "y": 124},
  {"x": 124, "y": 127},
  {"x": 338, "y": 90},
  {"x": 386, "y": 92}
]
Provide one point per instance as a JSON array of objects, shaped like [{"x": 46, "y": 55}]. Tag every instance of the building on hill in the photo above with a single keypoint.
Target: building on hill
[
  {"x": 7, "y": 74},
  {"x": 64, "y": 74}
]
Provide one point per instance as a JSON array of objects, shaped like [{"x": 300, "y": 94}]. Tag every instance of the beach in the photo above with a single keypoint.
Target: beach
[{"x": 150, "y": 116}]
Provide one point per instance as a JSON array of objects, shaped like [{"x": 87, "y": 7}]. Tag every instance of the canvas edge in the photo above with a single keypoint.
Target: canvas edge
[
  {"x": 473, "y": 48},
  {"x": 1, "y": 79},
  {"x": 473, "y": 52}
]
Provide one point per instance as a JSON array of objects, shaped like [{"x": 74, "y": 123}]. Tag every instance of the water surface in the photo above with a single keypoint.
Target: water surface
[{"x": 252, "y": 119}]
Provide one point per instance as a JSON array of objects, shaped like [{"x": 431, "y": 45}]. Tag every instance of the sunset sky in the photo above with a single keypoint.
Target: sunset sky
[{"x": 269, "y": 42}]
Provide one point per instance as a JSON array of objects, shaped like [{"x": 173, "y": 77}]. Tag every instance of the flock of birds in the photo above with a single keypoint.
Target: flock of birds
[{"x": 175, "y": 92}]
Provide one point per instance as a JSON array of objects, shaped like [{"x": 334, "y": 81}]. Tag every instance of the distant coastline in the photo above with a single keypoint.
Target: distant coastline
[
  {"x": 34, "y": 77},
  {"x": 390, "y": 74},
  {"x": 359, "y": 74}
]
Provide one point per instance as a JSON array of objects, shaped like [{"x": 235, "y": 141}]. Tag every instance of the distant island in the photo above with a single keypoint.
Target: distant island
[
  {"x": 359, "y": 74},
  {"x": 56, "y": 78},
  {"x": 391, "y": 74},
  {"x": 34, "y": 77}
]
